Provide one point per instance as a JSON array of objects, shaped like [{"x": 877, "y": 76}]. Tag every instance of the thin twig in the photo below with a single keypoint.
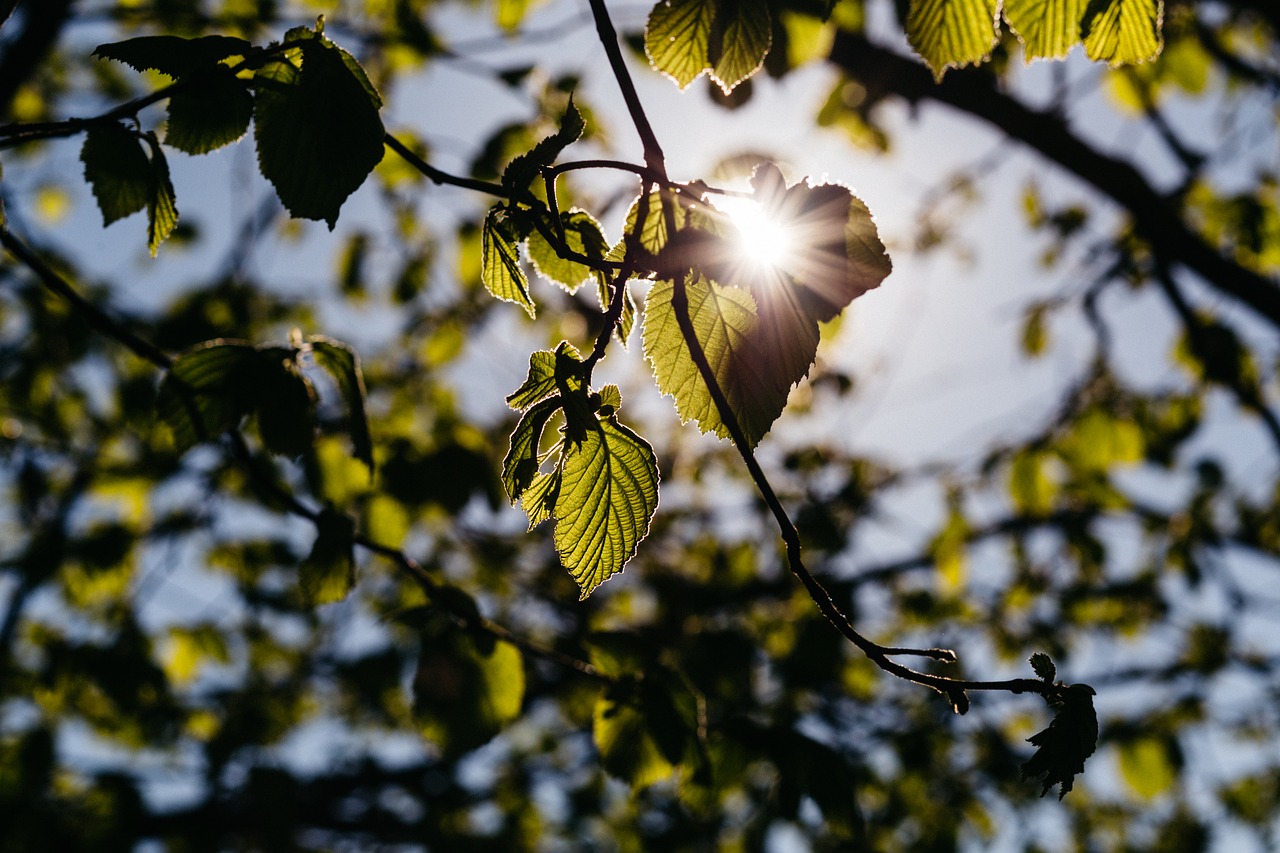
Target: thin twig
[{"x": 653, "y": 156}]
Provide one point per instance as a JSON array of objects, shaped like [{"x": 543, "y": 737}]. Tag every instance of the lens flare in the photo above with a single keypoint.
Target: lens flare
[{"x": 764, "y": 242}]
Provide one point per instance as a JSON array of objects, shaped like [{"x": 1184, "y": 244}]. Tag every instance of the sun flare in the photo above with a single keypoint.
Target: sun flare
[{"x": 762, "y": 241}]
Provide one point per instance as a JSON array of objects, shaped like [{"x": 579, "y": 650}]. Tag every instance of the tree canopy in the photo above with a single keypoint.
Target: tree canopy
[{"x": 299, "y": 301}]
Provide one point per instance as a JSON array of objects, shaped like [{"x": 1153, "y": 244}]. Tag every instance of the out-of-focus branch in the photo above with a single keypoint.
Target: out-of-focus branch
[{"x": 885, "y": 72}]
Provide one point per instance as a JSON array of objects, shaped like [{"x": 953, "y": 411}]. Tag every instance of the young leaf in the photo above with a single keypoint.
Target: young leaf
[
  {"x": 173, "y": 56},
  {"x": 318, "y": 131},
  {"x": 329, "y": 572},
  {"x": 684, "y": 38},
  {"x": 1043, "y": 666},
  {"x": 540, "y": 382},
  {"x": 500, "y": 261},
  {"x": 952, "y": 33},
  {"x": 1071, "y": 737},
  {"x": 582, "y": 234},
  {"x": 521, "y": 463},
  {"x": 1048, "y": 29},
  {"x": 341, "y": 362},
  {"x": 1123, "y": 32},
  {"x": 524, "y": 168},
  {"x": 117, "y": 170},
  {"x": 162, "y": 207},
  {"x": 607, "y": 496},
  {"x": 214, "y": 111},
  {"x": 747, "y": 30},
  {"x": 206, "y": 392},
  {"x": 677, "y": 38}
]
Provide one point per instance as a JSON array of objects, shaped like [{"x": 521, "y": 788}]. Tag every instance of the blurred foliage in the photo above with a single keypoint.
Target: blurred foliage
[{"x": 170, "y": 671}]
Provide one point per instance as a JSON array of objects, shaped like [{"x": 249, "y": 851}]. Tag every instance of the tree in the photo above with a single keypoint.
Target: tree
[{"x": 248, "y": 564}]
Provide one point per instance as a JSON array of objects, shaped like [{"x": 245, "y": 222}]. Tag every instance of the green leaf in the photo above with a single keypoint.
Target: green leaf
[
  {"x": 524, "y": 168},
  {"x": 1048, "y": 29},
  {"x": 173, "y": 56},
  {"x": 724, "y": 320},
  {"x": 1035, "y": 335},
  {"x": 1099, "y": 439},
  {"x": 162, "y": 206},
  {"x": 207, "y": 391},
  {"x": 684, "y": 38},
  {"x": 645, "y": 731},
  {"x": 747, "y": 29},
  {"x": 952, "y": 33},
  {"x": 540, "y": 382},
  {"x": 466, "y": 687},
  {"x": 285, "y": 402},
  {"x": 1043, "y": 666},
  {"x": 608, "y": 492},
  {"x": 1071, "y": 738},
  {"x": 509, "y": 14},
  {"x": 118, "y": 171},
  {"x": 328, "y": 573},
  {"x": 539, "y": 498},
  {"x": 761, "y": 337},
  {"x": 1147, "y": 767},
  {"x": 214, "y": 111},
  {"x": 521, "y": 463},
  {"x": 1123, "y": 32},
  {"x": 341, "y": 362},
  {"x": 1030, "y": 488},
  {"x": 318, "y": 131},
  {"x": 500, "y": 261},
  {"x": 582, "y": 234},
  {"x": 677, "y": 38},
  {"x": 837, "y": 254}
]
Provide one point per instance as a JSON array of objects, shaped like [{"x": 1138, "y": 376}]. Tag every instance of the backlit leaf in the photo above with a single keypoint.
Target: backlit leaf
[
  {"x": 677, "y": 38},
  {"x": 747, "y": 29},
  {"x": 608, "y": 493},
  {"x": 1030, "y": 488},
  {"x": 525, "y": 167},
  {"x": 317, "y": 126},
  {"x": 1048, "y": 29},
  {"x": 162, "y": 207},
  {"x": 500, "y": 261},
  {"x": 540, "y": 382},
  {"x": 760, "y": 337},
  {"x": 521, "y": 463},
  {"x": 724, "y": 320},
  {"x": 952, "y": 33},
  {"x": 582, "y": 234},
  {"x": 1123, "y": 32}
]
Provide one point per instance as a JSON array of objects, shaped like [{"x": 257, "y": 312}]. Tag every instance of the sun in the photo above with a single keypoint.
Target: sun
[{"x": 762, "y": 241}]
